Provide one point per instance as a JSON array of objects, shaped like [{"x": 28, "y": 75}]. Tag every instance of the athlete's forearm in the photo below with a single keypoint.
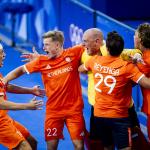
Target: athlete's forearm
[
  {"x": 11, "y": 88},
  {"x": 145, "y": 82},
  {"x": 128, "y": 53},
  {"x": 14, "y": 74},
  {"x": 7, "y": 105}
]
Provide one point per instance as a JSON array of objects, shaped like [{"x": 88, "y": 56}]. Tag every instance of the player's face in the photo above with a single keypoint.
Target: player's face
[
  {"x": 2, "y": 57},
  {"x": 52, "y": 48},
  {"x": 91, "y": 45},
  {"x": 136, "y": 40}
]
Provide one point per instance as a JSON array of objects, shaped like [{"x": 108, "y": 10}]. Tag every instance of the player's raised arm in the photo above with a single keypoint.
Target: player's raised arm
[{"x": 30, "y": 56}]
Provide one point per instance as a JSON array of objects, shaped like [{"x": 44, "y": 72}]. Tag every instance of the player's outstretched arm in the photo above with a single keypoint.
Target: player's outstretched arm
[
  {"x": 32, "y": 105},
  {"x": 14, "y": 74},
  {"x": 35, "y": 90}
]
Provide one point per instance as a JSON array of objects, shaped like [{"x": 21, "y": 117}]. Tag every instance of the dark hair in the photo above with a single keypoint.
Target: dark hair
[
  {"x": 144, "y": 34},
  {"x": 55, "y": 36},
  {"x": 114, "y": 43}
]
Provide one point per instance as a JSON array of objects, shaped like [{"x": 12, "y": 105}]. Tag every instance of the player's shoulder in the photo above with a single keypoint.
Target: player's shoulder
[
  {"x": 96, "y": 59},
  {"x": 129, "y": 65},
  {"x": 75, "y": 48},
  {"x": 116, "y": 62},
  {"x": 146, "y": 57}
]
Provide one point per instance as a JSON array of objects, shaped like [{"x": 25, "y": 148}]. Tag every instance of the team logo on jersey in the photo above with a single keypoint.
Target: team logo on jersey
[
  {"x": 48, "y": 67},
  {"x": 82, "y": 133},
  {"x": 19, "y": 133},
  {"x": 68, "y": 59}
]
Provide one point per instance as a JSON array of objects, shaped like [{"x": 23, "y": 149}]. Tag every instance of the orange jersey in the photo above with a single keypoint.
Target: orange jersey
[
  {"x": 10, "y": 131},
  {"x": 113, "y": 86},
  {"x": 146, "y": 70},
  {"x": 61, "y": 80},
  {"x": 2, "y": 93}
]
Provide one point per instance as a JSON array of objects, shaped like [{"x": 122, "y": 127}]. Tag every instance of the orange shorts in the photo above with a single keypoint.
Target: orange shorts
[
  {"x": 74, "y": 123},
  {"x": 10, "y": 132},
  {"x": 22, "y": 129}
]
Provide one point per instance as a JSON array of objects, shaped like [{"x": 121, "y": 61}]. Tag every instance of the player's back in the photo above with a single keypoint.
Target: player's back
[{"x": 113, "y": 85}]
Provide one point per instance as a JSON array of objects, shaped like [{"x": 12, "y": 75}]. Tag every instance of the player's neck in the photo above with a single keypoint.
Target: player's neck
[
  {"x": 99, "y": 53},
  {"x": 60, "y": 51}
]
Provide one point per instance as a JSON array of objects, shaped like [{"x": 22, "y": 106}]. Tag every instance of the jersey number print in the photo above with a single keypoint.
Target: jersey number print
[{"x": 105, "y": 81}]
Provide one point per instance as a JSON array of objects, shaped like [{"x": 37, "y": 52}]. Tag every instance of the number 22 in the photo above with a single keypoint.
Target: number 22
[{"x": 52, "y": 132}]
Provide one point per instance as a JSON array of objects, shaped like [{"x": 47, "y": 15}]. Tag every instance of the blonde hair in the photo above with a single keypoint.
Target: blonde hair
[{"x": 55, "y": 36}]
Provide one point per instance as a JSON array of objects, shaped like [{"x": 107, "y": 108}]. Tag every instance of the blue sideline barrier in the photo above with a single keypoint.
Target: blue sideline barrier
[
  {"x": 77, "y": 19},
  {"x": 107, "y": 24}
]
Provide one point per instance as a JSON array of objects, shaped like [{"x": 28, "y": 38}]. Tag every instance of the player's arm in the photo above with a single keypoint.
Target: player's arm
[
  {"x": 134, "y": 55},
  {"x": 128, "y": 53},
  {"x": 144, "y": 82},
  {"x": 14, "y": 74},
  {"x": 35, "y": 90},
  {"x": 32, "y": 105},
  {"x": 86, "y": 66},
  {"x": 82, "y": 69}
]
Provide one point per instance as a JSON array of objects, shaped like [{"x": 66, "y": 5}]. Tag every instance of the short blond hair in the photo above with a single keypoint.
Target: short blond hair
[{"x": 55, "y": 36}]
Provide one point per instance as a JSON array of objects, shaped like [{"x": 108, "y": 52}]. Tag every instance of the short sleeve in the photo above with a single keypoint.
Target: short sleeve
[
  {"x": 2, "y": 88},
  {"x": 33, "y": 66},
  {"x": 133, "y": 73}
]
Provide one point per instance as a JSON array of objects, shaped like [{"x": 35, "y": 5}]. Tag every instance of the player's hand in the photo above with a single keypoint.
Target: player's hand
[
  {"x": 30, "y": 56},
  {"x": 37, "y": 91},
  {"x": 137, "y": 58},
  {"x": 35, "y": 104}
]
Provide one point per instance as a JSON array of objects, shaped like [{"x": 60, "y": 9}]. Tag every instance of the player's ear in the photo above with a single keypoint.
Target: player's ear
[{"x": 97, "y": 40}]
